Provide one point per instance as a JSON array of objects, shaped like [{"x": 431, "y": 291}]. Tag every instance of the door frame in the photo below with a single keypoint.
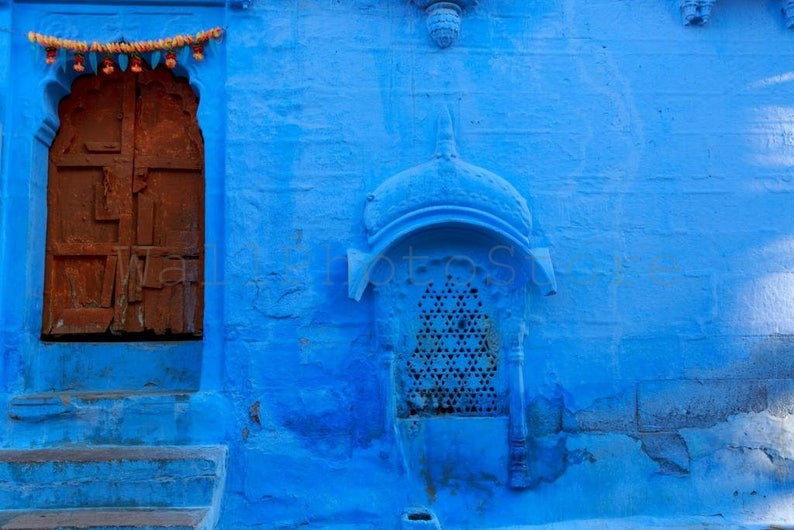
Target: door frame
[
  {"x": 30, "y": 365},
  {"x": 127, "y": 258}
]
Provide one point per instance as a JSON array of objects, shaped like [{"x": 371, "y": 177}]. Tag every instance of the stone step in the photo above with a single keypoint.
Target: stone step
[
  {"x": 117, "y": 418},
  {"x": 110, "y": 476},
  {"x": 106, "y": 519}
]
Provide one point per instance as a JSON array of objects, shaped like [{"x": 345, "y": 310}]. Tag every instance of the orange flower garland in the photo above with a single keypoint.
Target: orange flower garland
[
  {"x": 79, "y": 62},
  {"x": 107, "y": 65},
  {"x": 168, "y": 45},
  {"x": 170, "y": 59},
  {"x": 136, "y": 64}
]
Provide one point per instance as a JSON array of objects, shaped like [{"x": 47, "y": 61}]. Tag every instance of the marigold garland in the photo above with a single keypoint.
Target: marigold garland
[{"x": 168, "y": 45}]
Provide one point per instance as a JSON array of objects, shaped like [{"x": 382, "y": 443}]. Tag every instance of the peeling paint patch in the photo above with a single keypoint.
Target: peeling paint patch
[
  {"x": 669, "y": 450},
  {"x": 253, "y": 413}
]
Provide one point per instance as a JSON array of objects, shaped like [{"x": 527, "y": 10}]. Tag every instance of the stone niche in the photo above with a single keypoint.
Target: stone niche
[{"x": 452, "y": 271}]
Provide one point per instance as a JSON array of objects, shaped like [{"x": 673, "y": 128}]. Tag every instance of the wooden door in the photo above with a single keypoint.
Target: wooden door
[{"x": 125, "y": 199}]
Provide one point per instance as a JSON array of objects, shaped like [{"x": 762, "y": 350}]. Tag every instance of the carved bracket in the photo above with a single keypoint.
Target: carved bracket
[
  {"x": 696, "y": 12},
  {"x": 443, "y": 19}
]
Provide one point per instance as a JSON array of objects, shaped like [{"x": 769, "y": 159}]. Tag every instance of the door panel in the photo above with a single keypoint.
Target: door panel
[
  {"x": 92, "y": 116},
  {"x": 166, "y": 127},
  {"x": 126, "y": 210},
  {"x": 86, "y": 203}
]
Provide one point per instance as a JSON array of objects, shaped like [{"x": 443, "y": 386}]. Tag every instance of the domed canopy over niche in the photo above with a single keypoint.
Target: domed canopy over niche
[{"x": 447, "y": 192}]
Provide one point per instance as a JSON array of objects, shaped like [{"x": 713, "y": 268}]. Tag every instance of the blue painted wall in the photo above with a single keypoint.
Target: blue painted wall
[{"x": 656, "y": 160}]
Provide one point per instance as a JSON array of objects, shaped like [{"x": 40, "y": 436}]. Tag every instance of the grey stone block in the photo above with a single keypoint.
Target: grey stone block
[
  {"x": 544, "y": 416},
  {"x": 610, "y": 414},
  {"x": 780, "y": 397},
  {"x": 186, "y": 519},
  {"x": 677, "y": 404}
]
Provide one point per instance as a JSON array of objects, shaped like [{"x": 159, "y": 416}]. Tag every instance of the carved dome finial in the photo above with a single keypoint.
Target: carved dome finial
[
  {"x": 445, "y": 137},
  {"x": 443, "y": 19},
  {"x": 443, "y": 23}
]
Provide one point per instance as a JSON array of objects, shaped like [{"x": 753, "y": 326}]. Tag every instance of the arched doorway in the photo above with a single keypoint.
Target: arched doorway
[{"x": 125, "y": 202}]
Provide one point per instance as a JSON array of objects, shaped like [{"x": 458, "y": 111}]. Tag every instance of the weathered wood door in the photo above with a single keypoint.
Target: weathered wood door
[{"x": 125, "y": 199}]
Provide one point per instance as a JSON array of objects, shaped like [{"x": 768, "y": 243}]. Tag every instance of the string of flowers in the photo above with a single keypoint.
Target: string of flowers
[{"x": 126, "y": 52}]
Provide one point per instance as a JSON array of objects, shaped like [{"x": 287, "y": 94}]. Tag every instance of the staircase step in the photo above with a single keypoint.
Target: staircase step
[
  {"x": 120, "y": 418},
  {"x": 109, "y": 519},
  {"x": 110, "y": 476}
]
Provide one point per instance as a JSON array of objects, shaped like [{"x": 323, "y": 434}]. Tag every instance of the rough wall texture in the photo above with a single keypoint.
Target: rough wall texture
[{"x": 656, "y": 160}]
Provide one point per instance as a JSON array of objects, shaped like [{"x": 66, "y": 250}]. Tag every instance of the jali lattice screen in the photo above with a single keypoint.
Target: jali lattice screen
[{"x": 453, "y": 366}]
